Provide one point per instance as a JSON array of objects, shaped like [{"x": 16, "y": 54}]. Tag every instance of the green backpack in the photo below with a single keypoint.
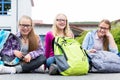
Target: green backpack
[{"x": 70, "y": 58}]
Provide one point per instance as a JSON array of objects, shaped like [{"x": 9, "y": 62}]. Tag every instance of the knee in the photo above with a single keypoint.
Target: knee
[
  {"x": 49, "y": 61},
  {"x": 42, "y": 59}
]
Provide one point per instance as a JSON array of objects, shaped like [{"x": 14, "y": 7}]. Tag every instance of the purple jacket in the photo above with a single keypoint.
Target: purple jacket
[{"x": 14, "y": 44}]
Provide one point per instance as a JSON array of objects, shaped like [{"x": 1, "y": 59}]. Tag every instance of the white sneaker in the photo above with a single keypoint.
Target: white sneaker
[
  {"x": 41, "y": 69},
  {"x": 5, "y": 69}
]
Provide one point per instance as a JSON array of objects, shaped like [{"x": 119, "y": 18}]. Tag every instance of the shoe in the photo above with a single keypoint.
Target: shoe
[
  {"x": 13, "y": 62},
  {"x": 53, "y": 70},
  {"x": 5, "y": 69},
  {"x": 41, "y": 69}
]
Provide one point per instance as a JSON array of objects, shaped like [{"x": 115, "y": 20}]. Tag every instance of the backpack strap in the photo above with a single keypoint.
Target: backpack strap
[
  {"x": 53, "y": 43},
  {"x": 56, "y": 43}
]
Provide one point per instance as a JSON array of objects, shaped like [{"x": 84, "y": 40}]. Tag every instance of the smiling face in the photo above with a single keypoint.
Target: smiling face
[
  {"x": 25, "y": 26},
  {"x": 61, "y": 22},
  {"x": 104, "y": 27}
]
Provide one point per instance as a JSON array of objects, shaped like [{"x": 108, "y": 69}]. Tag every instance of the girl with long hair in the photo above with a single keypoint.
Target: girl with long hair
[
  {"x": 29, "y": 51},
  {"x": 60, "y": 28}
]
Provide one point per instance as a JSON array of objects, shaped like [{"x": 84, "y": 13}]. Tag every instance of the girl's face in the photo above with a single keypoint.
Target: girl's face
[
  {"x": 25, "y": 26},
  {"x": 61, "y": 22},
  {"x": 103, "y": 29}
]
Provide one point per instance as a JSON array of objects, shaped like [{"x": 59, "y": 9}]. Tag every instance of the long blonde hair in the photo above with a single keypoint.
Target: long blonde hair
[
  {"x": 32, "y": 37},
  {"x": 67, "y": 30}
]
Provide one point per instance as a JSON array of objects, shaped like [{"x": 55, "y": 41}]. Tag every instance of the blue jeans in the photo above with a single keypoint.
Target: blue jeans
[{"x": 50, "y": 60}]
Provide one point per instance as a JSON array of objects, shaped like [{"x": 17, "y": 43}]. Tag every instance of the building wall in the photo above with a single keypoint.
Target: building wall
[
  {"x": 42, "y": 30},
  {"x": 18, "y": 8},
  {"x": 9, "y": 21},
  {"x": 24, "y": 8},
  {"x": 88, "y": 28}
]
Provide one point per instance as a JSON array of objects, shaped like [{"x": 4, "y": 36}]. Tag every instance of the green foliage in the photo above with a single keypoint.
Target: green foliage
[
  {"x": 80, "y": 38},
  {"x": 116, "y": 34}
]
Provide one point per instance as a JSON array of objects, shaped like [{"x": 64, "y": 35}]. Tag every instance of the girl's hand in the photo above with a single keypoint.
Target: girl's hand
[
  {"x": 92, "y": 50},
  {"x": 18, "y": 54},
  {"x": 27, "y": 58},
  {"x": 108, "y": 34}
]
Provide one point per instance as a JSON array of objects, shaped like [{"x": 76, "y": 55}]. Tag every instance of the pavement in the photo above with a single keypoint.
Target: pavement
[{"x": 40, "y": 76}]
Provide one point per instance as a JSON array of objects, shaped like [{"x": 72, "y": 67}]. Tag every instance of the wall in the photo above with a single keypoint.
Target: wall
[
  {"x": 42, "y": 30},
  {"x": 9, "y": 21},
  {"x": 24, "y": 8},
  {"x": 18, "y": 8}
]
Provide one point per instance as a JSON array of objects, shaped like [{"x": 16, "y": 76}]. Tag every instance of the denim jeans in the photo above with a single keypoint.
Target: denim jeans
[{"x": 50, "y": 60}]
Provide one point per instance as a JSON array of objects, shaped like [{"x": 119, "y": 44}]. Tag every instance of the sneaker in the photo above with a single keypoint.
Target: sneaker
[
  {"x": 41, "y": 69},
  {"x": 5, "y": 69},
  {"x": 53, "y": 70},
  {"x": 13, "y": 62}
]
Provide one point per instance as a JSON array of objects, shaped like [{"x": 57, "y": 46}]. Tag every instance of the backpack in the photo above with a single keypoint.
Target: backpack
[
  {"x": 4, "y": 39},
  {"x": 70, "y": 58}
]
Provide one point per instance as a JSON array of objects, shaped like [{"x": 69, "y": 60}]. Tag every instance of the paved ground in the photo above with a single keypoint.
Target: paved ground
[{"x": 38, "y": 76}]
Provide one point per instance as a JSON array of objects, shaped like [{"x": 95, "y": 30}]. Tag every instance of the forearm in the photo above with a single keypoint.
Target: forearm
[{"x": 36, "y": 53}]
